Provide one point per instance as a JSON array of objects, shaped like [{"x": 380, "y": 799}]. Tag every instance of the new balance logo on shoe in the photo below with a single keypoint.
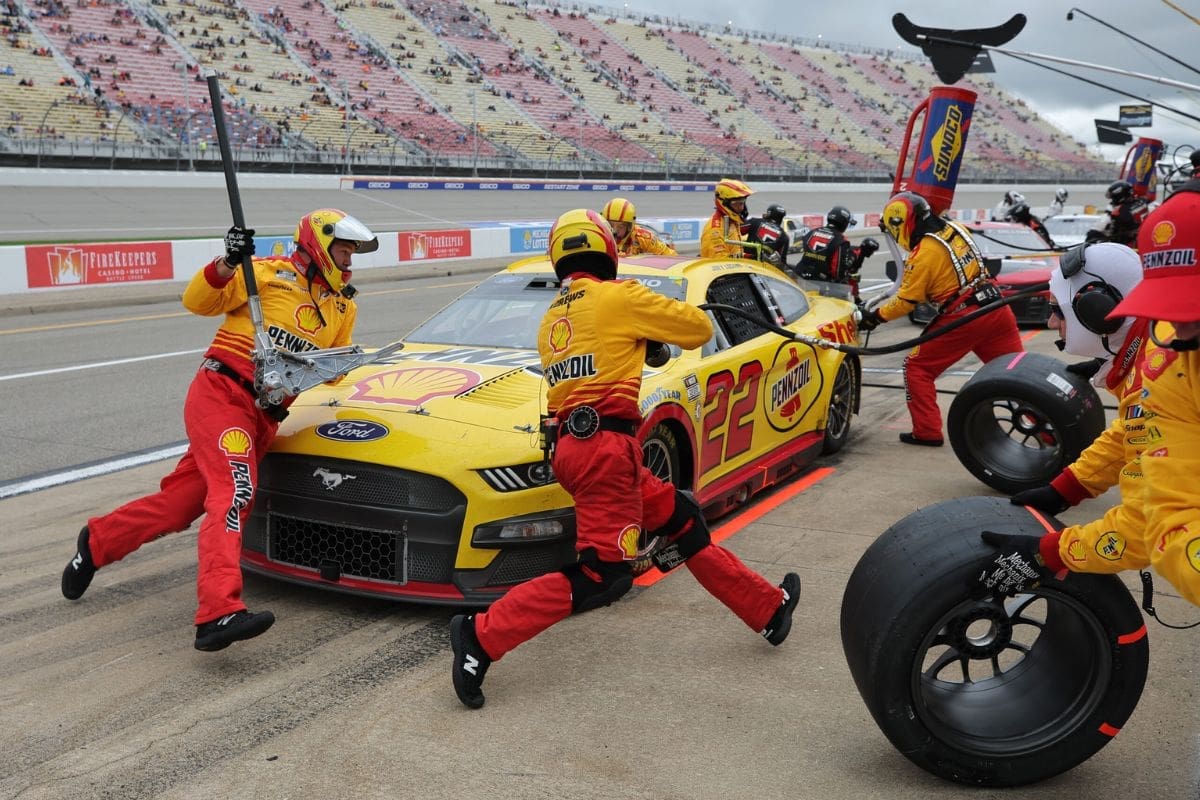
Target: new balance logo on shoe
[
  {"x": 77, "y": 561},
  {"x": 80, "y": 570},
  {"x": 470, "y": 661}
]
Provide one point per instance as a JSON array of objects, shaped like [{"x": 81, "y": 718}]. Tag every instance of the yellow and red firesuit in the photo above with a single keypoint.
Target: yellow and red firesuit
[
  {"x": 944, "y": 268},
  {"x": 712, "y": 239},
  {"x": 1171, "y": 463},
  {"x": 227, "y": 431},
  {"x": 1115, "y": 541},
  {"x": 642, "y": 241},
  {"x": 592, "y": 343}
]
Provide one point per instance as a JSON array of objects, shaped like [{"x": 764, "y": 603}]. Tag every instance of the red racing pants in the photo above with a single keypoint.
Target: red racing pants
[
  {"x": 217, "y": 476},
  {"x": 988, "y": 337},
  {"x": 615, "y": 495}
]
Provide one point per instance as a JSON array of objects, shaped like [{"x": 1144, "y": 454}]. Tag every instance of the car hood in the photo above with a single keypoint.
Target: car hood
[{"x": 436, "y": 395}]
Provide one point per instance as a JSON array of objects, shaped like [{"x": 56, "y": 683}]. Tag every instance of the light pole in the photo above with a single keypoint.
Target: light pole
[
  {"x": 474, "y": 138},
  {"x": 42, "y": 131},
  {"x": 349, "y": 132}
]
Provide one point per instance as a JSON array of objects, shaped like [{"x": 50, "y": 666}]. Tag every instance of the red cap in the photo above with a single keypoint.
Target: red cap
[{"x": 1169, "y": 245}]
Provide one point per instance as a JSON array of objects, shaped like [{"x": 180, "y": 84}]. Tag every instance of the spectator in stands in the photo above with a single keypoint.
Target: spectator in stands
[
  {"x": 725, "y": 225},
  {"x": 632, "y": 239}
]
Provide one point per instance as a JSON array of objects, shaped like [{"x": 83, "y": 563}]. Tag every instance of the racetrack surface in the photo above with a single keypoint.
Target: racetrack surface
[
  {"x": 88, "y": 213},
  {"x": 663, "y": 695}
]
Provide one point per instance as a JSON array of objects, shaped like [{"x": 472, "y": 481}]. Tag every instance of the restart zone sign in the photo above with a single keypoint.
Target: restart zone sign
[{"x": 475, "y": 184}]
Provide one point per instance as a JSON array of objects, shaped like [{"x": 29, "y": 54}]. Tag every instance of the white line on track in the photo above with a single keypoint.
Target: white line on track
[
  {"x": 99, "y": 364},
  {"x": 89, "y": 471}
]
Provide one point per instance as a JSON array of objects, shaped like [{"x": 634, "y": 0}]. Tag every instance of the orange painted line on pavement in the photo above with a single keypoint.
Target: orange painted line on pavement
[
  {"x": 741, "y": 520},
  {"x": 1029, "y": 336}
]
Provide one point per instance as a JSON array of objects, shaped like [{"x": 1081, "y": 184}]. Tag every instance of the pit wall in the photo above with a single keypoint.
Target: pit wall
[{"x": 65, "y": 267}]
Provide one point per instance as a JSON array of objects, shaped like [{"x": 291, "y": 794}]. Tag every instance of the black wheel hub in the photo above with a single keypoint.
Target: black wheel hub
[{"x": 982, "y": 631}]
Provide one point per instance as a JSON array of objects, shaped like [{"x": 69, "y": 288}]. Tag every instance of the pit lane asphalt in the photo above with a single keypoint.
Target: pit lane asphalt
[{"x": 664, "y": 695}]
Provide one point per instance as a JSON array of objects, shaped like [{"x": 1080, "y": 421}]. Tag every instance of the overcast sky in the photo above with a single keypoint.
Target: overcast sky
[{"x": 1070, "y": 103}]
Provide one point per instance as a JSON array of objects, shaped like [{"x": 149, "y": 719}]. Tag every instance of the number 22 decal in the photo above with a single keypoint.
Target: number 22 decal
[{"x": 728, "y": 425}]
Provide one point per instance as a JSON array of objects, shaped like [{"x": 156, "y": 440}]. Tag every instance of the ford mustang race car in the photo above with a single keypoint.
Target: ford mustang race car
[{"x": 423, "y": 477}]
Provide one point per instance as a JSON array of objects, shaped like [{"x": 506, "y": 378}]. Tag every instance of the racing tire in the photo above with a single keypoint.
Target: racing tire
[
  {"x": 987, "y": 691},
  {"x": 1021, "y": 419},
  {"x": 842, "y": 403},
  {"x": 660, "y": 454}
]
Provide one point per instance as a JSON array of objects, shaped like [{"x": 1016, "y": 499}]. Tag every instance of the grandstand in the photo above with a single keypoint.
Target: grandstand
[{"x": 422, "y": 86}]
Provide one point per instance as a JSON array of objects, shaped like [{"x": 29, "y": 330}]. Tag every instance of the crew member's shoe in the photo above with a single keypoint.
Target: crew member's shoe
[
  {"x": 908, "y": 438},
  {"x": 781, "y": 623},
  {"x": 80, "y": 569},
  {"x": 220, "y": 633},
  {"x": 470, "y": 661}
]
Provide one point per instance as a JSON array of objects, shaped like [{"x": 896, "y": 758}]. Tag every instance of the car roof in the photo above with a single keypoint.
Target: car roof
[{"x": 657, "y": 266}]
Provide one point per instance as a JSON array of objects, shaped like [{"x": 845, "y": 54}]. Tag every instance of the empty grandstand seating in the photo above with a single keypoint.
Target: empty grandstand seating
[{"x": 495, "y": 85}]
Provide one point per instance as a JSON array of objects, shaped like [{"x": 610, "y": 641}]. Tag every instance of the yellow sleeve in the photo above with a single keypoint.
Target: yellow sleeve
[
  {"x": 650, "y": 315},
  {"x": 208, "y": 295},
  {"x": 1098, "y": 468},
  {"x": 919, "y": 271},
  {"x": 1171, "y": 462}
]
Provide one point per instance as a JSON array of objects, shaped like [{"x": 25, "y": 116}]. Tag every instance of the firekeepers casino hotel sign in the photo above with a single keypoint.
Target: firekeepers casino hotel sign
[
  {"x": 97, "y": 264},
  {"x": 422, "y": 245}
]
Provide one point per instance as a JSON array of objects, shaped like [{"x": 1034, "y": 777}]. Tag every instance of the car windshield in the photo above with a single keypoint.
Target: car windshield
[
  {"x": 1015, "y": 241},
  {"x": 1077, "y": 226},
  {"x": 505, "y": 310}
]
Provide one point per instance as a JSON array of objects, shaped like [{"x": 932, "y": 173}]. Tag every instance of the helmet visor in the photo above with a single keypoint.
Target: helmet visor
[{"x": 352, "y": 230}]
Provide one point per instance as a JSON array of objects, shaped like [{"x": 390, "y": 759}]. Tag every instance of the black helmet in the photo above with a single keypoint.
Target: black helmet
[
  {"x": 775, "y": 213},
  {"x": 1119, "y": 192},
  {"x": 839, "y": 218}
]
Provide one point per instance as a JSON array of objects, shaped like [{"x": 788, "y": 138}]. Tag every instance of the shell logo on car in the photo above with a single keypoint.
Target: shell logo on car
[{"x": 414, "y": 386}]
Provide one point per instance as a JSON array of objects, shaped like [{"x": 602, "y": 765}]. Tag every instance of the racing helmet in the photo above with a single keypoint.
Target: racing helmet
[
  {"x": 775, "y": 213},
  {"x": 1119, "y": 192},
  {"x": 904, "y": 215},
  {"x": 315, "y": 235},
  {"x": 1090, "y": 281},
  {"x": 1062, "y": 194},
  {"x": 620, "y": 210},
  {"x": 839, "y": 218},
  {"x": 729, "y": 191},
  {"x": 581, "y": 241}
]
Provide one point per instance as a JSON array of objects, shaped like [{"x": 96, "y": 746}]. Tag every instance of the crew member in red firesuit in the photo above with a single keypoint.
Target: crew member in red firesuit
[
  {"x": 725, "y": 225},
  {"x": 593, "y": 342},
  {"x": 632, "y": 239},
  {"x": 945, "y": 268},
  {"x": 1161, "y": 483},
  {"x": 307, "y": 304},
  {"x": 1090, "y": 281}
]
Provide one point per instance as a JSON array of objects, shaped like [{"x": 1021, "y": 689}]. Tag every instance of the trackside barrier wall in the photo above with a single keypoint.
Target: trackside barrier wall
[{"x": 63, "y": 267}]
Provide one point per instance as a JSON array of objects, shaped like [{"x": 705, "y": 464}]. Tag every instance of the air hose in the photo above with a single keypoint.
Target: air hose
[{"x": 928, "y": 335}]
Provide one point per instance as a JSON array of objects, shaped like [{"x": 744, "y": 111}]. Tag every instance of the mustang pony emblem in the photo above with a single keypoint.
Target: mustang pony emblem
[{"x": 331, "y": 480}]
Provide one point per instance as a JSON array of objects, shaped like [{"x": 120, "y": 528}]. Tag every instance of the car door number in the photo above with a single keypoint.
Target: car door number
[{"x": 728, "y": 424}]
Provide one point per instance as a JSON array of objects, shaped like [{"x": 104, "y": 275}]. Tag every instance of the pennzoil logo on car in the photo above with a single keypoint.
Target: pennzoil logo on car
[
  {"x": 352, "y": 430},
  {"x": 786, "y": 400}
]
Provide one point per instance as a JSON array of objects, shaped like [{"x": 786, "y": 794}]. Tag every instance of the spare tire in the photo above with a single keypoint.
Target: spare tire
[
  {"x": 989, "y": 691},
  {"x": 1021, "y": 419}
]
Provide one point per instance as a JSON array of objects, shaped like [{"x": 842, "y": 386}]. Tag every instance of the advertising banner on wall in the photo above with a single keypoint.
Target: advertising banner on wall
[
  {"x": 97, "y": 264},
  {"x": 422, "y": 245},
  {"x": 529, "y": 239}
]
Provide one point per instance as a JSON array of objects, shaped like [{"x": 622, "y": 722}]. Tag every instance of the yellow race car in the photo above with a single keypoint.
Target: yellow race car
[{"x": 423, "y": 478}]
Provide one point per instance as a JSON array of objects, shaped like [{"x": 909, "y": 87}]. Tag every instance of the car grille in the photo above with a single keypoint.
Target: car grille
[
  {"x": 344, "y": 518},
  {"x": 357, "y": 483},
  {"x": 517, "y": 565},
  {"x": 357, "y": 552}
]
